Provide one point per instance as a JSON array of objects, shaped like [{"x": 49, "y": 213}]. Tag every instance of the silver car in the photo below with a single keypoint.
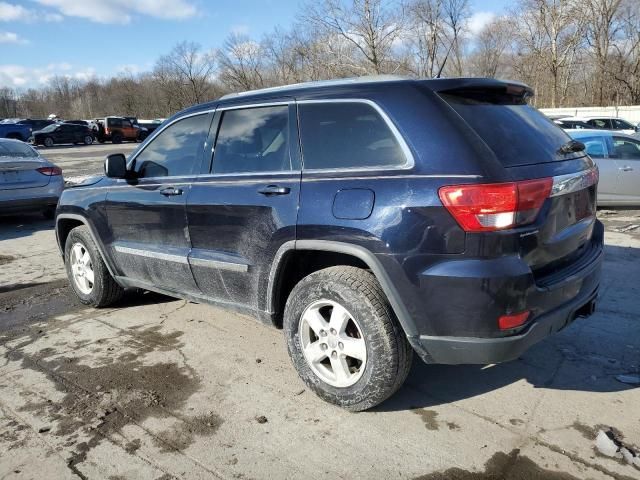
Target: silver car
[
  {"x": 618, "y": 158},
  {"x": 28, "y": 182}
]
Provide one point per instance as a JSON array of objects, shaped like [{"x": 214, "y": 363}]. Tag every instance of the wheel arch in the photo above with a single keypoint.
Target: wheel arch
[
  {"x": 349, "y": 254},
  {"x": 65, "y": 222}
]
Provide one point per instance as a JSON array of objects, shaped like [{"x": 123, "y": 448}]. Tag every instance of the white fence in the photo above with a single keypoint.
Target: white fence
[{"x": 630, "y": 114}]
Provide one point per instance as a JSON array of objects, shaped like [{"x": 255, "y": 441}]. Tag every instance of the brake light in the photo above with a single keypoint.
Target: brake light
[
  {"x": 507, "y": 322},
  {"x": 50, "y": 171},
  {"x": 495, "y": 206}
]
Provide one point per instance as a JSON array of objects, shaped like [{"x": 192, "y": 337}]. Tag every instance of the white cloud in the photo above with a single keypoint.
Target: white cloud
[
  {"x": 10, "y": 37},
  {"x": 122, "y": 11},
  {"x": 479, "y": 20},
  {"x": 17, "y": 76},
  {"x": 10, "y": 12}
]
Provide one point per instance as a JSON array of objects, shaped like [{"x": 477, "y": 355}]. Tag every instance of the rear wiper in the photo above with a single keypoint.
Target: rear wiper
[{"x": 571, "y": 146}]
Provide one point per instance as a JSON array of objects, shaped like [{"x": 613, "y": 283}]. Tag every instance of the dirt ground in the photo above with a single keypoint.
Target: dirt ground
[{"x": 160, "y": 388}]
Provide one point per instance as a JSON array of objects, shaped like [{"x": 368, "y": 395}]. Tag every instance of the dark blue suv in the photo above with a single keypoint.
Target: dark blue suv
[{"x": 369, "y": 218}]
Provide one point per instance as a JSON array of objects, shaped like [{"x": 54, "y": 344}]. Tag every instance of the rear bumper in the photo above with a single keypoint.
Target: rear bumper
[
  {"x": 8, "y": 207},
  {"x": 468, "y": 350},
  {"x": 474, "y": 293}
]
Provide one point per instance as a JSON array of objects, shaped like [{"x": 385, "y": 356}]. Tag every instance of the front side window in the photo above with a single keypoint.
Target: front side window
[
  {"x": 338, "y": 135},
  {"x": 600, "y": 123},
  {"x": 175, "y": 150},
  {"x": 594, "y": 146},
  {"x": 253, "y": 140},
  {"x": 626, "y": 148}
]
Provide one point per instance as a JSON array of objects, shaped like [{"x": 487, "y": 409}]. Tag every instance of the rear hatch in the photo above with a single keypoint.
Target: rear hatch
[
  {"x": 530, "y": 146},
  {"x": 18, "y": 173}
]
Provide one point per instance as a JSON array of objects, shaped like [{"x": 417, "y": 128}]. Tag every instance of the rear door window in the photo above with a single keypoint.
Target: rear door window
[
  {"x": 338, "y": 135},
  {"x": 626, "y": 148},
  {"x": 517, "y": 133},
  {"x": 603, "y": 123}
]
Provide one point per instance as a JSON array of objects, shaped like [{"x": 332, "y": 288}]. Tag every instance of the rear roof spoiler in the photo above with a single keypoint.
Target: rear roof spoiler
[{"x": 453, "y": 85}]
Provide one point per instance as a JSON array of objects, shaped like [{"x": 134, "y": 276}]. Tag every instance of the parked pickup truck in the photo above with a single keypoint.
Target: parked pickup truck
[{"x": 15, "y": 130}]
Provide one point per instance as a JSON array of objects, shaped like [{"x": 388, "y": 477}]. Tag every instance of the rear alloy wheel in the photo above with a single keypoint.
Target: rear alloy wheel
[
  {"x": 344, "y": 339},
  {"x": 48, "y": 142},
  {"x": 88, "y": 139},
  {"x": 87, "y": 272}
]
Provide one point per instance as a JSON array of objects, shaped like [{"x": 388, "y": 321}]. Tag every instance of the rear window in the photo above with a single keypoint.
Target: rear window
[
  {"x": 16, "y": 149},
  {"x": 338, "y": 135},
  {"x": 517, "y": 133}
]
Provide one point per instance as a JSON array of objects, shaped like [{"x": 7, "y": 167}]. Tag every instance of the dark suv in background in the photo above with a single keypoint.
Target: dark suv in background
[{"x": 368, "y": 218}]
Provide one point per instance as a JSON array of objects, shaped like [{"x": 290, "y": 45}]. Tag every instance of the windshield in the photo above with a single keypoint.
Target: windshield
[
  {"x": 517, "y": 133},
  {"x": 16, "y": 149},
  {"x": 49, "y": 128}
]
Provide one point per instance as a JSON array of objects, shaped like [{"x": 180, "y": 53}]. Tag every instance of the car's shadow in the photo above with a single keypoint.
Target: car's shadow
[{"x": 23, "y": 225}]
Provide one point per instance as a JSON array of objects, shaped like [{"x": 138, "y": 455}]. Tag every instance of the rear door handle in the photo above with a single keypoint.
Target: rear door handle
[
  {"x": 171, "y": 191},
  {"x": 626, "y": 168},
  {"x": 274, "y": 190}
]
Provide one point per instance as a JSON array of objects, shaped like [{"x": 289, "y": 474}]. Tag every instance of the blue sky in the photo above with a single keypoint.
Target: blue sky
[{"x": 84, "y": 38}]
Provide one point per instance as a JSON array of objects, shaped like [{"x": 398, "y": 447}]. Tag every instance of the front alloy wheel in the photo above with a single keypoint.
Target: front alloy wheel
[
  {"x": 82, "y": 268},
  {"x": 332, "y": 343}
]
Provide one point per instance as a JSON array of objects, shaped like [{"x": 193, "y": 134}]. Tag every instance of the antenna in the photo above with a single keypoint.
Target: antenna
[{"x": 444, "y": 62}]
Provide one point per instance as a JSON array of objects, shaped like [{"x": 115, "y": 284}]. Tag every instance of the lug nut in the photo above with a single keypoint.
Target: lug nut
[
  {"x": 340, "y": 345},
  {"x": 333, "y": 331},
  {"x": 334, "y": 354},
  {"x": 323, "y": 346},
  {"x": 323, "y": 333}
]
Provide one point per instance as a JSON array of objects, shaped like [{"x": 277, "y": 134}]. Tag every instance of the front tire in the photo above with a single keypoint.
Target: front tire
[
  {"x": 48, "y": 142},
  {"x": 87, "y": 272},
  {"x": 344, "y": 339}
]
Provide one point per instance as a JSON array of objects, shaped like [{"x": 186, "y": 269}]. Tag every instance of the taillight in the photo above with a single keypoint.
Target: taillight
[
  {"x": 495, "y": 206},
  {"x": 49, "y": 171},
  {"x": 506, "y": 322}
]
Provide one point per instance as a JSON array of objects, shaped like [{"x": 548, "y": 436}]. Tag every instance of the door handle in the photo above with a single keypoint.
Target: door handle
[
  {"x": 171, "y": 191},
  {"x": 626, "y": 168},
  {"x": 274, "y": 190}
]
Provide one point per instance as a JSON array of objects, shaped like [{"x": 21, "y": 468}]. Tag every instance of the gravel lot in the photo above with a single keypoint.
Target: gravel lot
[{"x": 162, "y": 388}]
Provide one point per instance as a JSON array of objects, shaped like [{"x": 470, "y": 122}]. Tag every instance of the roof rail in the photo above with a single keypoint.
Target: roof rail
[{"x": 319, "y": 83}]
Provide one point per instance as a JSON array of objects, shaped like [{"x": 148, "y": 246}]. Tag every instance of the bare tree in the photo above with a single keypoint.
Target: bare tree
[
  {"x": 189, "y": 67},
  {"x": 372, "y": 26},
  {"x": 241, "y": 63},
  {"x": 491, "y": 46},
  {"x": 552, "y": 30}
]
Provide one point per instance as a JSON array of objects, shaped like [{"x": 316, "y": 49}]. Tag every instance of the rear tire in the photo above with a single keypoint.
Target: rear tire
[
  {"x": 356, "y": 295},
  {"x": 88, "y": 140},
  {"x": 98, "y": 289}
]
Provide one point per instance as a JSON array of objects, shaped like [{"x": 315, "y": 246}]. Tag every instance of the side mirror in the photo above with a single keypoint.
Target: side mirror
[{"x": 115, "y": 166}]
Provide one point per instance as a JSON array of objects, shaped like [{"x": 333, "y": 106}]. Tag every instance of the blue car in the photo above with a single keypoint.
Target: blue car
[
  {"x": 28, "y": 182},
  {"x": 367, "y": 218}
]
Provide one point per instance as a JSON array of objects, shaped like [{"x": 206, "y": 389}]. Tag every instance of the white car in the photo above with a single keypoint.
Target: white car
[
  {"x": 618, "y": 158},
  {"x": 606, "y": 123}
]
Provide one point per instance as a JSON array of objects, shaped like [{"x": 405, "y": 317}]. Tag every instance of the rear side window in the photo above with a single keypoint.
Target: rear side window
[
  {"x": 517, "y": 133},
  {"x": 16, "y": 149},
  {"x": 339, "y": 135},
  {"x": 253, "y": 140},
  {"x": 175, "y": 151}
]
